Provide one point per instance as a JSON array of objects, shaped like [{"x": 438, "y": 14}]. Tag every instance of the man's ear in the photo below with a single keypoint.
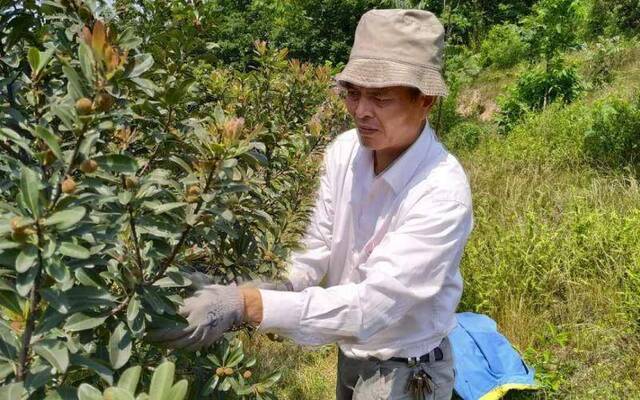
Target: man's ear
[{"x": 429, "y": 101}]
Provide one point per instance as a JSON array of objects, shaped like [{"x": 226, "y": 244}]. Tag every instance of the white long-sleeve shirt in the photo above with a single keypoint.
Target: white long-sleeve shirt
[{"x": 389, "y": 246}]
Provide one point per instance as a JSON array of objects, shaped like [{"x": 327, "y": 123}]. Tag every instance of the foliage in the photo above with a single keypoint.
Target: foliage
[
  {"x": 552, "y": 27},
  {"x": 614, "y": 137},
  {"x": 604, "y": 59},
  {"x": 464, "y": 136},
  {"x": 536, "y": 88},
  {"x": 121, "y": 172},
  {"x": 613, "y": 17},
  {"x": 504, "y": 46}
]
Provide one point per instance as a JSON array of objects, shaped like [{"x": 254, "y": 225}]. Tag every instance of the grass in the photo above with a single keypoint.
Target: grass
[{"x": 554, "y": 257}]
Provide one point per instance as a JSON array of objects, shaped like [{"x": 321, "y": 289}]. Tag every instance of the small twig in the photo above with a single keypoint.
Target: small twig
[
  {"x": 183, "y": 237},
  {"x": 34, "y": 299},
  {"x": 120, "y": 307},
  {"x": 134, "y": 234}
]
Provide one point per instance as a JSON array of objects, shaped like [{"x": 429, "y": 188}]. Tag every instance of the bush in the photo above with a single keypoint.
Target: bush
[
  {"x": 607, "y": 56},
  {"x": 535, "y": 89},
  {"x": 614, "y": 137},
  {"x": 121, "y": 172},
  {"x": 504, "y": 46},
  {"x": 464, "y": 136}
]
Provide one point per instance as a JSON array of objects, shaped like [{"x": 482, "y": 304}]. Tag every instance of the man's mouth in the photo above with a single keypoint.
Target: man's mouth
[{"x": 367, "y": 130}]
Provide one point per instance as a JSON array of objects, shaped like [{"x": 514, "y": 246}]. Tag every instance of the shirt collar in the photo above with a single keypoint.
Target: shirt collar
[{"x": 401, "y": 170}]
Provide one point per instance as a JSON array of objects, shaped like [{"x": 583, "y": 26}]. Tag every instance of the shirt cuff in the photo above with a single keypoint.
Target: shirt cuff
[{"x": 281, "y": 311}]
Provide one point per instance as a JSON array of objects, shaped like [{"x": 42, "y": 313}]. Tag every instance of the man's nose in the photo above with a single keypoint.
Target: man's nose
[{"x": 364, "y": 108}]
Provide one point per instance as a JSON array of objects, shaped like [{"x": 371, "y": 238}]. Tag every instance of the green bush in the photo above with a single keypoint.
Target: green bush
[
  {"x": 504, "y": 46},
  {"x": 607, "y": 17},
  {"x": 535, "y": 89},
  {"x": 464, "y": 136},
  {"x": 604, "y": 59},
  {"x": 121, "y": 170},
  {"x": 614, "y": 137}
]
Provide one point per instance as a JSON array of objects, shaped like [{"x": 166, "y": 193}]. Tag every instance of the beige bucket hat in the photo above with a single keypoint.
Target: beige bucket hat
[{"x": 397, "y": 48}]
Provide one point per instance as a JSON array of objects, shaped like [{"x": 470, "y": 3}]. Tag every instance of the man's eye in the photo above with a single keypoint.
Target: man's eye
[{"x": 382, "y": 99}]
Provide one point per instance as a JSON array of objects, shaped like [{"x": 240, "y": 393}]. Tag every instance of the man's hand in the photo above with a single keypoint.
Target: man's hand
[{"x": 210, "y": 312}]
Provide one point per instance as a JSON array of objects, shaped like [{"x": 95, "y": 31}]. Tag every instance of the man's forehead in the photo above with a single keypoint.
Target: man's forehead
[{"x": 382, "y": 90}]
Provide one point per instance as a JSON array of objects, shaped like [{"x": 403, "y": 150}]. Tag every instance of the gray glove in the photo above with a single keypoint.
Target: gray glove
[
  {"x": 210, "y": 312},
  {"x": 282, "y": 286}
]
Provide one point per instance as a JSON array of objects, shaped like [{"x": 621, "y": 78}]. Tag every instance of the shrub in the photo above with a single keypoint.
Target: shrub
[
  {"x": 121, "y": 173},
  {"x": 464, "y": 136},
  {"x": 504, "y": 46},
  {"x": 535, "y": 89},
  {"x": 607, "y": 55},
  {"x": 614, "y": 137}
]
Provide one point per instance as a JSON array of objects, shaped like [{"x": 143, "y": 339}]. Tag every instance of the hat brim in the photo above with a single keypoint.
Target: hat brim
[{"x": 376, "y": 73}]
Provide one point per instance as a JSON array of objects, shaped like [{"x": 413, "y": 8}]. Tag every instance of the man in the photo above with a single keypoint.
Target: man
[{"x": 392, "y": 217}]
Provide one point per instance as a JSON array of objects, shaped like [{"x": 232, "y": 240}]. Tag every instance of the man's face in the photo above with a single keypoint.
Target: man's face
[{"x": 387, "y": 118}]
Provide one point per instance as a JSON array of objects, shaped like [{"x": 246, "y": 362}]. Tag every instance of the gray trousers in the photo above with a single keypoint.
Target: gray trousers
[{"x": 363, "y": 379}]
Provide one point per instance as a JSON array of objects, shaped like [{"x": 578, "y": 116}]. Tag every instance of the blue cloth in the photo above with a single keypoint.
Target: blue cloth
[{"x": 486, "y": 364}]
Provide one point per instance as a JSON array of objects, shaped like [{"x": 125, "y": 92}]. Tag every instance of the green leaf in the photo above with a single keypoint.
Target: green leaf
[
  {"x": 146, "y": 85},
  {"x": 211, "y": 384},
  {"x": 98, "y": 367},
  {"x": 12, "y": 391},
  {"x": 74, "y": 87},
  {"x": 161, "y": 381},
  {"x": 24, "y": 282},
  {"x": 81, "y": 322},
  {"x": 50, "y": 139},
  {"x": 73, "y": 250},
  {"x": 179, "y": 390},
  {"x": 58, "y": 270},
  {"x": 119, "y": 346},
  {"x": 55, "y": 352},
  {"x": 142, "y": 63},
  {"x": 133, "y": 308},
  {"x": 67, "y": 218},
  {"x": 116, "y": 393},
  {"x": 38, "y": 60},
  {"x": 30, "y": 187},
  {"x": 85, "y": 55},
  {"x": 9, "y": 300},
  {"x": 88, "y": 392},
  {"x": 129, "y": 379},
  {"x": 13, "y": 136},
  {"x": 65, "y": 113},
  {"x": 161, "y": 209},
  {"x": 26, "y": 259},
  {"x": 118, "y": 163},
  {"x": 33, "y": 56}
]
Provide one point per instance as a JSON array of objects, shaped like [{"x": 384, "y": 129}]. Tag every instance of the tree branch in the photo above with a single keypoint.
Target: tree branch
[
  {"x": 132, "y": 225},
  {"x": 34, "y": 299},
  {"x": 183, "y": 237}
]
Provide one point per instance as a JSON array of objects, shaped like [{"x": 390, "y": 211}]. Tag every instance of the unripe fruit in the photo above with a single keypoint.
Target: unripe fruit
[
  {"x": 15, "y": 224},
  {"x": 49, "y": 158},
  {"x": 193, "y": 190},
  {"x": 220, "y": 371},
  {"x": 83, "y": 106},
  {"x": 88, "y": 166},
  {"x": 68, "y": 186},
  {"x": 103, "y": 101},
  {"x": 228, "y": 371},
  {"x": 260, "y": 389},
  {"x": 247, "y": 374}
]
